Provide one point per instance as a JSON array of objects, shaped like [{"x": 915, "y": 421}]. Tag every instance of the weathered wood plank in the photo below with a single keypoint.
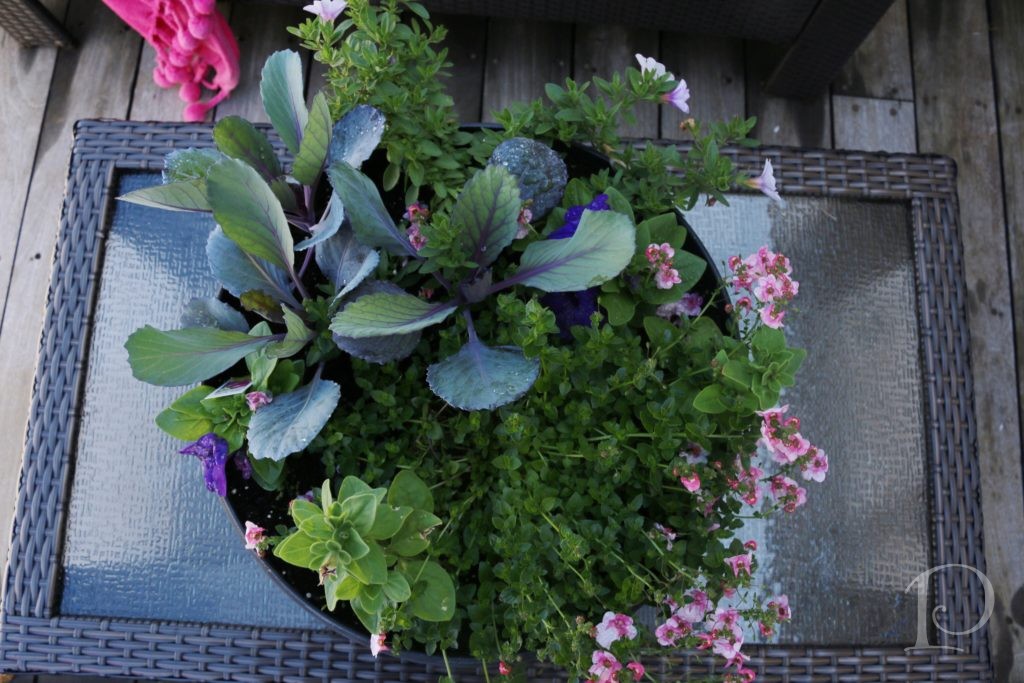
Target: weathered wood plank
[
  {"x": 783, "y": 121},
  {"x": 602, "y": 50},
  {"x": 25, "y": 75},
  {"x": 260, "y": 30},
  {"x": 522, "y": 56},
  {"x": 150, "y": 102},
  {"x": 881, "y": 65},
  {"x": 93, "y": 80},
  {"x": 467, "y": 45},
  {"x": 868, "y": 124},
  {"x": 714, "y": 71},
  {"x": 956, "y": 116},
  {"x": 1007, "y": 22}
]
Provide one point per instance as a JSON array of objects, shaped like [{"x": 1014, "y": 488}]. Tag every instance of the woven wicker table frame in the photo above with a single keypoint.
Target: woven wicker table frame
[{"x": 35, "y": 637}]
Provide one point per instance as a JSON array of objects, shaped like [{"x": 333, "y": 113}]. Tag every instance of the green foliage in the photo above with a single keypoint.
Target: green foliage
[
  {"x": 552, "y": 499},
  {"x": 367, "y": 546}
]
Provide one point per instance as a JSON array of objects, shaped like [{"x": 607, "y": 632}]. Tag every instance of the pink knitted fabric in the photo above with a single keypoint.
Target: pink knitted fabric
[{"x": 194, "y": 46}]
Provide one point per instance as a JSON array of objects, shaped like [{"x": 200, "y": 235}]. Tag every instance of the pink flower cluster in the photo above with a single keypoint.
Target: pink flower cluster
[
  {"x": 660, "y": 257},
  {"x": 782, "y": 437},
  {"x": 605, "y": 667},
  {"x": 779, "y": 607},
  {"x": 680, "y": 623},
  {"x": 416, "y": 213},
  {"x": 766, "y": 276},
  {"x": 787, "y": 493},
  {"x": 724, "y": 637}
]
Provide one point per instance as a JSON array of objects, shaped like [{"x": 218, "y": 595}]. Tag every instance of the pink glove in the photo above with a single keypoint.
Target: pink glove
[{"x": 194, "y": 46}]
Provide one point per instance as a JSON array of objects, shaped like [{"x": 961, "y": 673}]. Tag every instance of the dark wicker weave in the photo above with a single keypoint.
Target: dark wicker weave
[
  {"x": 35, "y": 637},
  {"x": 28, "y": 22}
]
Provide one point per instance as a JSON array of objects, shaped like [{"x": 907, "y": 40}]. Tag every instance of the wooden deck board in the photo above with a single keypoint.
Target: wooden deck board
[
  {"x": 889, "y": 97},
  {"x": 956, "y": 115},
  {"x": 104, "y": 42},
  {"x": 603, "y": 50},
  {"x": 714, "y": 72}
]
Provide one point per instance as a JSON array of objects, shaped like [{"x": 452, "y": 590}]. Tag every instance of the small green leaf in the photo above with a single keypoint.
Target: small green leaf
[
  {"x": 409, "y": 490},
  {"x": 177, "y": 196},
  {"x": 388, "y": 522},
  {"x": 297, "y": 549},
  {"x": 267, "y": 473},
  {"x": 281, "y": 89},
  {"x": 302, "y": 510},
  {"x": 249, "y": 213},
  {"x": 296, "y": 337},
  {"x": 239, "y": 139},
  {"x": 413, "y": 537},
  {"x": 360, "y": 511},
  {"x": 315, "y": 139},
  {"x": 371, "y": 569},
  {"x": 179, "y": 357},
  {"x": 378, "y": 315},
  {"x": 187, "y": 418},
  {"x": 620, "y": 307},
  {"x": 355, "y": 546},
  {"x": 433, "y": 591},
  {"x": 709, "y": 400},
  {"x": 397, "y": 587},
  {"x": 347, "y": 587}
]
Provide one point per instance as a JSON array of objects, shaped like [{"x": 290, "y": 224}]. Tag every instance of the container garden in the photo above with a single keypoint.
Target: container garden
[{"x": 481, "y": 391}]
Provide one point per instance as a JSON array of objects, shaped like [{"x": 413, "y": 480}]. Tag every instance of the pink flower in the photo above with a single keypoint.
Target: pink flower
[
  {"x": 416, "y": 238},
  {"x": 638, "y": 670},
  {"x": 613, "y": 627},
  {"x": 765, "y": 629},
  {"x": 694, "y": 611},
  {"x": 328, "y": 10},
  {"x": 690, "y": 482},
  {"x": 666, "y": 278},
  {"x": 651, "y": 65},
  {"x": 667, "y": 532},
  {"x": 377, "y": 644},
  {"x": 671, "y": 631},
  {"x": 253, "y": 536},
  {"x": 658, "y": 254},
  {"x": 750, "y": 545},
  {"x": 525, "y": 216},
  {"x": 416, "y": 212},
  {"x": 691, "y": 304},
  {"x": 772, "y": 316},
  {"x": 679, "y": 97},
  {"x": 816, "y": 467},
  {"x": 766, "y": 183},
  {"x": 787, "y": 493},
  {"x": 257, "y": 399},
  {"x": 767, "y": 289},
  {"x": 605, "y": 667},
  {"x": 726, "y": 619},
  {"x": 504, "y": 669},
  {"x": 780, "y": 605},
  {"x": 738, "y": 562}
]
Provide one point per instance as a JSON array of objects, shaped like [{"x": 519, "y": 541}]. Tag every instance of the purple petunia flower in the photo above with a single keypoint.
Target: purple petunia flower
[
  {"x": 574, "y": 308},
  {"x": 242, "y": 464},
  {"x": 212, "y": 452},
  {"x": 575, "y": 213}
]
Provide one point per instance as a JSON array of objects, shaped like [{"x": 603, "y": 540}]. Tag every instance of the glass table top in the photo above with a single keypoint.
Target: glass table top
[{"x": 145, "y": 539}]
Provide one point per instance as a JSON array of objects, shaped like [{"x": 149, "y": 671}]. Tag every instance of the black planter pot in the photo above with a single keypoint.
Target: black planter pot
[{"x": 300, "y": 583}]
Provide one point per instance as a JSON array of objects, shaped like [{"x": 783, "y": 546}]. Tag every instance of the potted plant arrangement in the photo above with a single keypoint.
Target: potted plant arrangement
[{"x": 484, "y": 382}]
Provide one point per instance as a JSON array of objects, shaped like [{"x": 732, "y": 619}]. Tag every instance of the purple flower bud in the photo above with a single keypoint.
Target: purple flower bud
[{"x": 258, "y": 399}]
